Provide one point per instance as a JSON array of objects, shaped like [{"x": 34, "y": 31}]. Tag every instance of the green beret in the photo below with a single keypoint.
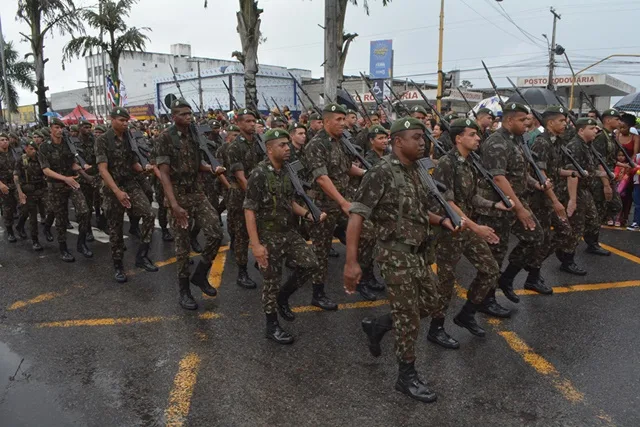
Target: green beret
[
  {"x": 315, "y": 116},
  {"x": 38, "y": 133},
  {"x": 297, "y": 125},
  {"x": 279, "y": 120},
  {"x": 120, "y": 112},
  {"x": 273, "y": 134},
  {"x": 4, "y": 135},
  {"x": 246, "y": 112},
  {"x": 46, "y": 132},
  {"x": 484, "y": 110},
  {"x": 214, "y": 124},
  {"x": 465, "y": 123},
  {"x": 73, "y": 128},
  {"x": 555, "y": 109},
  {"x": 515, "y": 107},
  {"x": 56, "y": 121},
  {"x": 586, "y": 121},
  {"x": 179, "y": 103},
  {"x": 13, "y": 135},
  {"x": 260, "y": 122},
  {"x": 419, "y": 109},
  {"x": 100, "y": 128},
  {"x": 32, "y": 144},
  {"x": 450, "y": 117},
  {"x": 85, "y": 122},
  {"x": 233, "y": 128},
  {"x": 610, "y": 113},
  {"x": 406, "y": 123},
  {"x": 350, "y": 111},
  {"x": 377, "y": 130},
  {"x": 334, "y": 108},
  {"x": 374, "y": 113}
]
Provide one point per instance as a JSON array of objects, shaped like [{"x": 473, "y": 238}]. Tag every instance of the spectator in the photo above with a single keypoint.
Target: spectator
[
  {"x": 635, "y": 172},
  {"x": 624, "y": 185}
]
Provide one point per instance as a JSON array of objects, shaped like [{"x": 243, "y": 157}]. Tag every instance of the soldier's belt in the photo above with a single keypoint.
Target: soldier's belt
[
  {"x": 402, "y": 247},
  {"x": 273, "y": 226}
]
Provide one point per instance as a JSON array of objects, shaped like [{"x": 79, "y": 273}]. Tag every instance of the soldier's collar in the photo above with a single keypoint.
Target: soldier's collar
[{"x": 504, "y": 131}]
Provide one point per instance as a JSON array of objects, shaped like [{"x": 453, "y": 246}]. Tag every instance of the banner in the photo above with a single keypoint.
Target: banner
[
  {"x": 381, "y": 59},
  {"x": 142, "y": 112}
]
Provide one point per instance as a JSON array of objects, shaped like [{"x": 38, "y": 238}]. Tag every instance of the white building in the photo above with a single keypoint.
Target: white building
[{"x": 65, "y": 102}]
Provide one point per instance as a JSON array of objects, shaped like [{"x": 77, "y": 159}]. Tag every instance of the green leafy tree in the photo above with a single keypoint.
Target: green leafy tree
[{"x": 19, "y": 73}]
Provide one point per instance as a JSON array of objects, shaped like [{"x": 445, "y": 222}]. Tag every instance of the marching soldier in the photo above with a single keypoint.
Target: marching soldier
[
  {"x": 31, "y": 186},
  {"x": 268, "y": 207},
  {"x": 351, "y": 122},
  {"x": 243, "y": 157},
  {"x": 223, "y": 158},
  {"x": 90, "y": 189},
  {"x": 59, "y": 166},
  {"x": 418, "y": 112},
  {"x": 378, "y": 143},
  {"x": 392, "y": 196},
  {"x": 315, "y": 125},
  {"x": 179, "y": 161},
  {"x": 484, "y": 119},
  {"x": 118, "y": 165},
  {"x": 7, "y": 187}
]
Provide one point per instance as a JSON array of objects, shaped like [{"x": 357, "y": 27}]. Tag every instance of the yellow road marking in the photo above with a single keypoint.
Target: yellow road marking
[
  {"x": 104, "y": 321},
  {"x": 48, "y": 296},
  {"x": 173, "y": 260},
  {"x": 621, "y": 253},
  {"x": 215, "y": 274},
  {"x": 586, "y": 287},
  {"x": 182, "y": 391},
  {"x": 208, "y": 315},
  {"x": 347, "y": 306}
]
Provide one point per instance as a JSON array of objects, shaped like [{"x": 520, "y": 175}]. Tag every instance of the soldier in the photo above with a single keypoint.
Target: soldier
[
  {"x": 159, "y": 195},
  {"x": 484, "y": 119},
  {"x": 98, "y": 130},
  {"x": 315, "y": 125},
  {"x": 298, "y": 138},
  {"x": 581, "y": 208},
  {"x": 90, "y": 189},
  {"x": 179, "y": 160},
  {"x": 503, "y": 157},
  {"x": 221, "y": 154},
  {"x": 351, "y": 122},
  {"x": 269, "y": 207},
  {"x": 378, "y": 143},
  {"x": 420, "y": 113},
  {"x": 214, "y": 135},
  {"x": 459, "y": 176},
  {"x": 59, "y": 165},
  {"x": 243, "y": 157},
  {"x": 118, "y": 165},
  {"x": 362, "y": 139},
  {"x": 74, "y": 131},
  {"x": 260, "y": 127},
  {"x": 547, "y": 206},
  {"x": 330, "y": 168},
  {"x": 392, "y": 196},
  {"x": 605, "y": 194},
  {"x": 30, "y": 185},
  {"x": 7, "y": 187},
  {"x": 38, "y": 138}
]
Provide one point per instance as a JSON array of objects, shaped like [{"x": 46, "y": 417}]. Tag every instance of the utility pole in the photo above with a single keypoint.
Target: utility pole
[
  {"x": 330, "y": 49},
  {"x": 440, "y": 75},
  {"x": 198, "y": 61},
  {"x": 552, "y": 51},
  {"x": 104, "y": 69},
  {"x": 5, "y": 98},
  {"x": 88, "y": 82}
]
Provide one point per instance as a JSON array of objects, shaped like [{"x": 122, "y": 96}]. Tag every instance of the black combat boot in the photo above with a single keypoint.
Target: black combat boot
[
  {"x": 244, "y": 281},
  {"x": 166, "y": 235},
  {"x": 195, "y": 246},
  {"x": 47, "y": 233},
  {"x": 10, "y": 236},
  {"x": 595, "y": 249},
  {"x": 69, "y": 226},
  {"x": 200, "y": 278},
  {"x": 186, "y": 299},
  {"x": 491, "y": 307},
  {"x": 120, "y": 275},
  {"x": 20, "y": 229},
  {"x": 35, "y": 245},
  {"x": 535, "y": 283},
  {"x": 90, "y": 236},
  {"x": 363, "y": 288},
  {"x": 374, "y": 284},
  {"x": 134, "y": 226},
  {"x": 82, "y": 247},
  {"x": 439, "y": 336},
  {"x": 467, "y": 319},
  {"x": 410, "y": 384},
  {"x": 65, "y": 255},
  {"x": 569, "y": 265},
  {"x": 101, "y": 223},
  {"x": 275, "y": 333},
  {"x": 321, "y": 300},
  {"x": 142, "y": 258},
  {"x": 506, "y": 282},
  {"x": 286, "y": 291},
  {"x": 376, "y": 328}
]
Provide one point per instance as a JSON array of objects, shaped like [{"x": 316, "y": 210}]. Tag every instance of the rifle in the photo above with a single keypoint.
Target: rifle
[
  {"x": 279, "y": 110},
  {"x": 565, "y": 150},
  {"x": 266, "y": 104},
  {"x": 441, "y": 119},
  {"x": 346, "y": 136},
  {"x": 364, "y": 110},
  {"x": 72, "y": 147},
  {"x": 175, "y": 80},
  {"x": 234, "y": 103},
  {"x": 434, "y": 187},
  {"x": 219, "y": 105},
  {"x": 542, "y": 180},
  {"x": 375, "y": 98},
  {"x": 198, "y": 135},
  {"x": 292, "y": 170},
  {"x": 468, "y": 104},
  {"x": 135, "y": 136}
]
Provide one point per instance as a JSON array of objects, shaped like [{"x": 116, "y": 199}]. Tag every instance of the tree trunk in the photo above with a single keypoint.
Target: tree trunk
[
  {"x": 342, "y": 43},
  {"x": 37, "y": 47},
  {"x": 332, "y": 43},
  {"x": 249, "y": 30}
]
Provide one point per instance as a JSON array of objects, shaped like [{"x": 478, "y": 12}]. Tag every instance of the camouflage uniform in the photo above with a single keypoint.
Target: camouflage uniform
[
  {"x": 373, "y": 157},
  {"x": 33, "y": 185},
  {"x": 180, "y": 151},
  {"x": 9, "y": 200},
  {"x": 91, "y": 191},
  {"x": 243, "y": 156},
  {"x": 392, "y": 196},
  {"x": 460, "y": 178},
  {"x": 269, "y": 195},
  {"x": 502, "y": 155},
  {"x": 58, "y": 158},
  {"x": 606, "y": 146},
  {"x": 445, "y": 141},
  {"x": 119, "y": 157},
  {"x": 549, "y": 159},
  {"x": 222, "y": 156}
]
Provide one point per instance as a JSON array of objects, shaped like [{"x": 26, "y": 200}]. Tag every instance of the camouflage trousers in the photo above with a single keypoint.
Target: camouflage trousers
[
  {"x": 556, "y": 232},
  {"x": 9, "y": 205},
  {"x": 529, "y": 244},
  {"x": 413, "y": 295},
  {"x": 288, "y": 246},
  {"x": 209, "y": 183},
  {"x": 366, "y": 245},
  {"x": 451, "y": 247},
  {"x": 162, "y": 209},
  {"x": 585, "y": 221},
  {"x": 205, "y": 218},
  {"x": 60, "y": 194},
  {"x": 91, "y": 194},
  {"x": 606, "y": 209},
  {"x": 114, "y": 211},
  {"x": 235, "y": 217},
  {"x": 321, "y": 236},
  {"x": 35, "y": 201}
]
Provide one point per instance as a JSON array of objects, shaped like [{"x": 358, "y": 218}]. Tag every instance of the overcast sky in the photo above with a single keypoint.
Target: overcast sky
[{"x": 474, "y": 29}]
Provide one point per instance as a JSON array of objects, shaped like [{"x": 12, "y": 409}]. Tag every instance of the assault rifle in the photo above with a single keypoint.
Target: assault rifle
[
  {"x": 139, "y": 147},
  {"x": 72, "y": 147},
  {"x": 435, "y": 187}
]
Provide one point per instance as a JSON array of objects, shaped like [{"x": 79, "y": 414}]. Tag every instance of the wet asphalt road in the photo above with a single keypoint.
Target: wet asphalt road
[{"x": 128, "y": 355}]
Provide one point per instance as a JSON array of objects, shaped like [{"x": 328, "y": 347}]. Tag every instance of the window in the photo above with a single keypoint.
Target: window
[
  {"x": 156, "y": 65},
  {"x": 89, "y": 72},
  {"x": 176, "y": 69},
  {"x": 143, "y": 64},
  {"x": 145, "y": 85}
]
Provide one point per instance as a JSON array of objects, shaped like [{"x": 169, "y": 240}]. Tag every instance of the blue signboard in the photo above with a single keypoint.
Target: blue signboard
[{"x": 381, "y": 59}]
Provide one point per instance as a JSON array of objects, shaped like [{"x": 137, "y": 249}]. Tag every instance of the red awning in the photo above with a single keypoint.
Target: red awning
[{"x": 78, "y": 114}]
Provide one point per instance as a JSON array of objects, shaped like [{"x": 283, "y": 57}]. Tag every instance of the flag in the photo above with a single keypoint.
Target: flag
[
  {"x": 123, "y": 95},
  {"x": 112, "y": 92}
]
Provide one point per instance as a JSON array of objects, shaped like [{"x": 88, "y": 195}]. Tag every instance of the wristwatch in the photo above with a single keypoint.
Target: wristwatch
[
  {"x": 574, "y": 174},
  {"x": 306, "y": 215}
]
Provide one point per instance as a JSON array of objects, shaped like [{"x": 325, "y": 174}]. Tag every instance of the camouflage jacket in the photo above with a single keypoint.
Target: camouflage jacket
[
  {"x": 88, "y": 151},
  {"x": 243, "y": 155},
  {"x": 180, "y": 151},
  {"x": 118, "y": 156},
  {"x": 550, "y": 158},
  {"x": 372, "y": 157},
  {"x": 584, "y": 158},
  {"x": 58, "y": 158},
  {"x": 606, "y": 146},
  {"x": 7, "y": 164},
  {"x": 269, "y": 194},
  {"x": 223, "y": 157},
  {"x": 325, "y": 156},
  {"x": 29, "y": 173},
  {"x": 445, "y": 141}
]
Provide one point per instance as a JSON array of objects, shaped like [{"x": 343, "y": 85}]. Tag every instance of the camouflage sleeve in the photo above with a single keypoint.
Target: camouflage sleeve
[
  {"x": 600, "y": 144},
  {"x": 17, "y": 170},
  {"x": 317, "y": 157},
  {"x": 480, "y": 202},
  {"x": 164, "y": 149},
  {"x": 43, "y": 157},
  {"x": 541, "y": 148},
  {"x": 101, "y": 149},
  {"x": 445, "y": 174},
  {"x": 371, "y": 190},
  {"x": 495, "y": 155},
  {"x": 255, "y": 188},
  {"x": 578, "y": 154},
  {"x": 234, "y": 154}
]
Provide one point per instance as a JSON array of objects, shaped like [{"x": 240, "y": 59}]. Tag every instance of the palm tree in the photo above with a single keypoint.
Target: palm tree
[
  {"x": 250, "y": 38},
  {"x": 19, "y": 73},
  {"x": 119, "y": 39},
  {"x": 43, "y": 16}
]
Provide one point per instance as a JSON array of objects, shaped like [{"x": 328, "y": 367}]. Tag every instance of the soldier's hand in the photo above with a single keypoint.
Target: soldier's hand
[
  {"x": 87, "y": 166},
  {"x": 501, "y": 206},
  {"x": 124, "y": 200},
  {"x": 449, "y": 225},
  {"x": 180, "y": 216},
  {"x": 608, "y": 193},
  {"x": 219, "y": 170},
  {"x": 559, "y": 210},
  {"x": 71, "y": 182},
  {"x": 261, "y": 255},
  {"x": 351, "y": 276},
  {"x": 571, "y": 208},
  {"x": 487, "y": 234},
  {"x": 148, "y": 168},
  {"x": 346, "y": 206},
  {"x": 4, "y": 188},
  {"x": 526, "y": 218},
  {"x": 23, "y": 198},
  {"x": 323, "y": 216}
]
